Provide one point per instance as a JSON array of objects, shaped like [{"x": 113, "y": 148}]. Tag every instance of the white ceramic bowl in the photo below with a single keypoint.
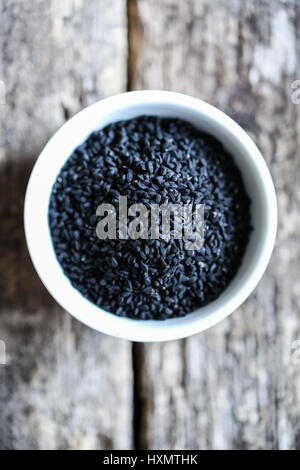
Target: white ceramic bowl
[{"x": 256, "y": 177}]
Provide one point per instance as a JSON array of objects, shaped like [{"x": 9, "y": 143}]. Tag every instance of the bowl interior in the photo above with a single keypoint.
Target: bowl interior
[{"x": 203, "y": 116}]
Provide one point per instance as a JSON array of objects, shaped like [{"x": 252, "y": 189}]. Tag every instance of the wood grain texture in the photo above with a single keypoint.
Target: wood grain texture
[
  {"x": 237, "y": 385},
  {"x": 64, "y": 385}
]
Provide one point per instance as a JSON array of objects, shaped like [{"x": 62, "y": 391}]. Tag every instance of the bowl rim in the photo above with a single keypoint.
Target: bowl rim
[{"x": 83, "y": 309}]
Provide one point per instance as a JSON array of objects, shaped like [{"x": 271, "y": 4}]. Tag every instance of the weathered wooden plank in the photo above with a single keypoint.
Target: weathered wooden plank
[
  {"x": 64, "y": 385},
  {"x": 238, "y": 384}
]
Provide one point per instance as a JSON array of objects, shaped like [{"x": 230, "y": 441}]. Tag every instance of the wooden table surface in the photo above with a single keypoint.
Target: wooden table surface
[{"x": 64, "y": 386}]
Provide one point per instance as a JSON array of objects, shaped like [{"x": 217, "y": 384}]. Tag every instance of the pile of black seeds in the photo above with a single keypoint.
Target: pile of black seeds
[{"x": 150, "y": 160}]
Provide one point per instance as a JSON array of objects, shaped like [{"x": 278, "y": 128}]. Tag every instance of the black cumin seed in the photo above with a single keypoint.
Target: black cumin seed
[{"x": 151, "y": 160}]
